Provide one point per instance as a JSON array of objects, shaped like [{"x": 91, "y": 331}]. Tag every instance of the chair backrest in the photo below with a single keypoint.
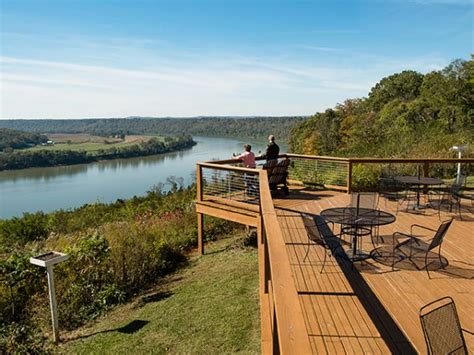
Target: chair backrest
[
  {"x": 389, "y": 185},
  {"x": 277, "y": 171},
  {"x": 365, "y": 200},
  {"x": 440, "y": 234},
  {"x": 312, "y": 230},
  {"x": 441, "y": 327}
]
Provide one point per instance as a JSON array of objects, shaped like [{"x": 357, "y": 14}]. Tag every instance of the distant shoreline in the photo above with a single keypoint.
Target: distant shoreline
[{"x": 44, "y": 158}]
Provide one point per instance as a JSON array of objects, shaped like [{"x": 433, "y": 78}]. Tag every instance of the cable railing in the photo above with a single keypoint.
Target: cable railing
[
  {"x": 329, "y": 172},
  {"x": 232, "y": 185},
  {"x": 366, "y": 172}
]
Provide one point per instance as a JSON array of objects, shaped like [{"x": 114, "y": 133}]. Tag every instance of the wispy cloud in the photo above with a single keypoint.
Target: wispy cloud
[
  {"x": 321, "y": 48},
  {"x": 160, "y": 80}
]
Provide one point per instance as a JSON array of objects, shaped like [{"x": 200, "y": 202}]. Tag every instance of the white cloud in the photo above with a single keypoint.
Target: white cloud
[{"x": 123, "y": 77}]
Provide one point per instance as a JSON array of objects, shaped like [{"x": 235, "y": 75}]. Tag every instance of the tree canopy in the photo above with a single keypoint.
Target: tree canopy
[
  {"x": 407, "y": 114},
  {"x": 13, "y": 139}
]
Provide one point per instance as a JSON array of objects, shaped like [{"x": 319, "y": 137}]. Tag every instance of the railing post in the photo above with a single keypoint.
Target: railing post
[
  {"x": 426, "y": 173},
  {"x": 199, "y": 182},
  {"x": 266, "y": 270},
  {"x": 200, "y": 216},
  {"x": 200, "y": 227},
  {"x": 349, "y": 177}
]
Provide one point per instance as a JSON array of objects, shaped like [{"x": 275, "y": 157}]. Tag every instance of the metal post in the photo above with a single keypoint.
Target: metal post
[
  {"x": 458, "y": 176},
  {"x": 52, "y": 303}
]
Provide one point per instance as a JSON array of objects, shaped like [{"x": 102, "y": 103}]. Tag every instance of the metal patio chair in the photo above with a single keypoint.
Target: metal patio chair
[
  {"x": 319, "y": 233},
  {"x": 442, "y": 328},
  {"x": 368, "y": 200},
  {"x": 435, "y": 242},
  {"x": 450, "y": 197},
  {"x": 394, "y": 191}
]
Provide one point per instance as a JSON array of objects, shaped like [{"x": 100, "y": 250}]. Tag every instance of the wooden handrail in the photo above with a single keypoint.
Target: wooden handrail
[
  {"x": 290, "y": 325},
  {"x": 229, "y": 168},
  {"x": 357, "y": 160},
  {"x": 411, "y": 160},
  {"x": 316, "y": 157},
  {"x": 234, "y": 161}
]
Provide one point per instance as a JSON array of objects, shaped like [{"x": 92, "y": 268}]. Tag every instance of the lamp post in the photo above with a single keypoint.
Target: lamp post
[
  {"x": 48, "y": 261},
  {"x": 460, "y": 149}
]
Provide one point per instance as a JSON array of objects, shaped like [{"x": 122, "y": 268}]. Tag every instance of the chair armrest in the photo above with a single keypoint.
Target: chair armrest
[
  {"x": 410, "y": 238},
  {"x": 403, "y": 234},
  {"x": 420, "y": 226}
]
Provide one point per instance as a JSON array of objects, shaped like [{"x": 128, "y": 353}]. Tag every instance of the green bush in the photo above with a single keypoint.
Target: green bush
[
  {"x": 365, "y": 176},
  {"x": 30, "y": 227},
  {"x": 115, "y": 251}
]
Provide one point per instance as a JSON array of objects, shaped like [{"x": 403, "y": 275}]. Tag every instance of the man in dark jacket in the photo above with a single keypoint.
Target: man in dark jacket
[{"x": 273, "y": 150}]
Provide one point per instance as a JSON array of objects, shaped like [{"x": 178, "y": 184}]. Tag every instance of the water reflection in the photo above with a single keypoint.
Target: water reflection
[{"x": 48, "y": 189}]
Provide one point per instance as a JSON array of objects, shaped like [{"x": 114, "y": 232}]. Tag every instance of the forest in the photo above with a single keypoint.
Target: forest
[
  {"x": 407, "y": 114},
  {"x": 47, "y": 158},
  {"x": 245, "y": 127},
  {"x": 13, "y": 139}
]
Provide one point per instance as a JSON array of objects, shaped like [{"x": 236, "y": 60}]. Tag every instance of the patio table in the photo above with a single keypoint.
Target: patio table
[
  {"x": 357, "y": 219},
  {"x": 417, "y": 182}
]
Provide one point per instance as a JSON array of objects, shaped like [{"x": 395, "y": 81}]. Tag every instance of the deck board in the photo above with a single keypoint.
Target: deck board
[{"x": 372, "y": 309}]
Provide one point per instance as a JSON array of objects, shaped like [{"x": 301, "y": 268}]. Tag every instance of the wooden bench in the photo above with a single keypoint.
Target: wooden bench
[{"x": 278, "y": 174}]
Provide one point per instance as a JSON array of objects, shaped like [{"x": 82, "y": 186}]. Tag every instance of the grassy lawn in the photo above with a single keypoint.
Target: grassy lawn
[
  {"x": 209, "y": 307},
  {"x": 89, "y": 146}
]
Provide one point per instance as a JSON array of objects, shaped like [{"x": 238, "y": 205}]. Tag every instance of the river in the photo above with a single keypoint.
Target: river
[{"x": 64, "y": 187}]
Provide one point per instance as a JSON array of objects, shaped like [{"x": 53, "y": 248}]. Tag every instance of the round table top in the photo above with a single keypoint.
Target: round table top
[
  {"x": 415, "y": 180},
  {"x": 353, "y": 216}
]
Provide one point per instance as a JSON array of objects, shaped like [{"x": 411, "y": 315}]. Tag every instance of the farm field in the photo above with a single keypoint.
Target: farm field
[{"x": 88, "y": 142}]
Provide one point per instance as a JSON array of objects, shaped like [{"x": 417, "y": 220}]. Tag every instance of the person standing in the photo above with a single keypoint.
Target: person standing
[
  {"x": 247, "y": 157},
  {"x": 273, "y": 150}
]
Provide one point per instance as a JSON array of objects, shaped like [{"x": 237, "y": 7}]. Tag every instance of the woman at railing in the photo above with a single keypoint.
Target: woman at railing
[{"x": 247, "y": 157}]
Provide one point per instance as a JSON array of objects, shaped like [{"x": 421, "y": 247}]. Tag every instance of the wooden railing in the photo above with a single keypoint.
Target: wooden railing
[{"x": 283, "y": 327}]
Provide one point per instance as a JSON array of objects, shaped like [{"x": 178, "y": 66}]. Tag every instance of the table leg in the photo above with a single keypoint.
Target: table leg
[{"x": 354, "y": 242}]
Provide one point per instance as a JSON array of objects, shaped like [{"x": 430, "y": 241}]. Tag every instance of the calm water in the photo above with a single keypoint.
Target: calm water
[{"x": 48, "y": 189}]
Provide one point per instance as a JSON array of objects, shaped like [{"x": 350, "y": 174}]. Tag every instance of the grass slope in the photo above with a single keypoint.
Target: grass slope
[{"x": 209, "y": 307}]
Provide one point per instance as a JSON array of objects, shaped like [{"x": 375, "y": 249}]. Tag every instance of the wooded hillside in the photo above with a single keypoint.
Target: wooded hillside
[
  {"x": 407, "y": 114},
  {"x": 248, "y": 127}
]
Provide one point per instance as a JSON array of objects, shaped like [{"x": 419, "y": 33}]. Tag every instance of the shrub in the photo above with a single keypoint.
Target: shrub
[{"x": 365, "y": 176}]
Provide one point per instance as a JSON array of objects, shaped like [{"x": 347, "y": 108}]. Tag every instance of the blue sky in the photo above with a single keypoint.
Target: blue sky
[{"x": 111, "y": 58}]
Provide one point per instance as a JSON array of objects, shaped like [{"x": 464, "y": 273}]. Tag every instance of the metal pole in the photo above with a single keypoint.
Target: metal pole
[
  {"x": 52, "y": 303},
  {"x": 458, "y": 176}
]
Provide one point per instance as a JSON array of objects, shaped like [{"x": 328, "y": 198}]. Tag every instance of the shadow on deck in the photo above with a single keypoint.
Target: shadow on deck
[{"x": 367, "y": 306}]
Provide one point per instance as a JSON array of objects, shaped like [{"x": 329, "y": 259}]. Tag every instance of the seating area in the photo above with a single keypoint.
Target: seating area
[
  {"x": 343, "y": 271},
  {"x": 376, "y": 299}
]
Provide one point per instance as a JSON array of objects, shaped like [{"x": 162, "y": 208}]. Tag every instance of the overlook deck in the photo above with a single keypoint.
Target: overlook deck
[
  {"x": 360, "y": 307},
  {"x": 370, "y": 308}
]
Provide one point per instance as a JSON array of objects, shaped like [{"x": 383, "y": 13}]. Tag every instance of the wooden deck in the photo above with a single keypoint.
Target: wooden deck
[{"x": 368, "y": 308}]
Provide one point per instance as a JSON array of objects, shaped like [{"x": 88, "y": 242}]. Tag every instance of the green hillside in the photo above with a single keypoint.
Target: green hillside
[{"x": 407, "y": 114}]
